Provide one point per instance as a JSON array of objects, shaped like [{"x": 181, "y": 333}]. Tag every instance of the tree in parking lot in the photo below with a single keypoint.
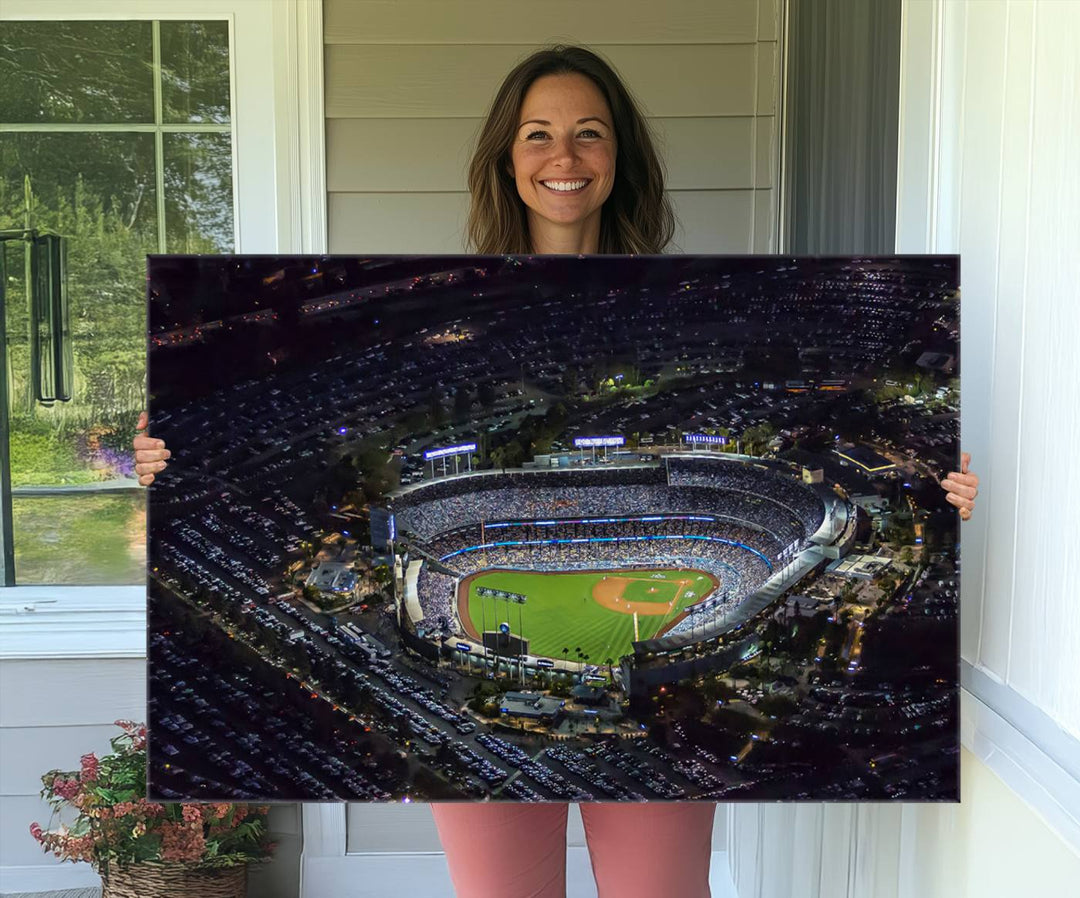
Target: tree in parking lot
[
  {"x": 436, "y": 411},
  {"x": 443, "y": 754},
  {"x": 570, "y": 377},
  {"x": 560, "y": 686},
  {"x": 331, "y": 678},
  {"x": 301, "y": 662},
  {"x": 755, "y": 440},
  {"x": 341, "y": 478},
  {"x": 375, "y": 598},
  {"x": 462, "y": 402},
  {"x": 515, "y": 454},
  {"x": 272, "y": 641},
  {"x": 231, "y": 612}
]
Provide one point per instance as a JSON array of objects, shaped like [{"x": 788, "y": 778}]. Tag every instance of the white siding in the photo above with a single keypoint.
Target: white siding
[
  {"x": 1008, "y": 200},
  {"x": 990, "y": 845},
  {"x": 989, "y": 142},
  {"x": 53, "y": 712},
  {"x": 408, "y": 82}
]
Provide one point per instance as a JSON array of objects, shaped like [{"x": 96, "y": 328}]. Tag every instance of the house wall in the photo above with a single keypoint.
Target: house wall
[{"x": 408, "y": 83}]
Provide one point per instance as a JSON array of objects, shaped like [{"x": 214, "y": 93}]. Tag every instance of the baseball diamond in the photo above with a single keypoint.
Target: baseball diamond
[{"x": 588, "y": 610}]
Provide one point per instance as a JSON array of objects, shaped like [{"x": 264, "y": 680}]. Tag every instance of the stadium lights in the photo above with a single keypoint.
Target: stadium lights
[
  {"x": 592, "y": 442},
  {"x": 449, "y": 450}
]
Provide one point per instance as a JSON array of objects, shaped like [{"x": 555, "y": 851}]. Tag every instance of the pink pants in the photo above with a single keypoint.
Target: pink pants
[{"x": 653, "y": 850}]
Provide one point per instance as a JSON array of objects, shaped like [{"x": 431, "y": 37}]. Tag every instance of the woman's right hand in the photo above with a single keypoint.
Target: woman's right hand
[{"x": 150, "y": 454}]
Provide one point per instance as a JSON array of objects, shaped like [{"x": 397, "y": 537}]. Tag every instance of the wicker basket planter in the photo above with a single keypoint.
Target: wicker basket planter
[{"x": 160, "y": 880}]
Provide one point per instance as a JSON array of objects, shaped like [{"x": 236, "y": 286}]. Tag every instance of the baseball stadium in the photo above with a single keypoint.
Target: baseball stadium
[{"x": 585, "y": 568}]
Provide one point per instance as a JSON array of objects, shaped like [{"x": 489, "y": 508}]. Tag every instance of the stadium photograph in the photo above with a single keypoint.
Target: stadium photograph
[{"x": 542, "y": 528}]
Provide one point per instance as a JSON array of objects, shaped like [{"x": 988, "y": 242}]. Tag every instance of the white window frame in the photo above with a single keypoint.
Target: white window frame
[{"x": 279, "y": 185}]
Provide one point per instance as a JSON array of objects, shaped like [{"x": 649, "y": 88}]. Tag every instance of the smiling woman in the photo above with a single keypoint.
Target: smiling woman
[
  {"x": 560, "y": 118},
  {"x": 563, "y": 161}
]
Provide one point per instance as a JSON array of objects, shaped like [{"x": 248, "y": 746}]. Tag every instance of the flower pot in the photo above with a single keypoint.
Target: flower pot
[{"x": 170, "y": 880}]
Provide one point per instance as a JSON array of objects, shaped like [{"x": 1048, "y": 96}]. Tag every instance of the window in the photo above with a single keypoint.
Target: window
[{"x": 118, "y": 136}]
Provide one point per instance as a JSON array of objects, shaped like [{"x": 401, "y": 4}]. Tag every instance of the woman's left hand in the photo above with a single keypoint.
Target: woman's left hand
[{"x": 962, "y": 487}]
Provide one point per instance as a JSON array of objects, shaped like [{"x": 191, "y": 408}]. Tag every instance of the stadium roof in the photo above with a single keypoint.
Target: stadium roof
[
  {"x": 866, "y": 459},
  {"x": 332, "y": 576},
  {"x": 937, "y": 361},
  {"x": 529, "y": 704},
  {"x": 585, "y": 693}
]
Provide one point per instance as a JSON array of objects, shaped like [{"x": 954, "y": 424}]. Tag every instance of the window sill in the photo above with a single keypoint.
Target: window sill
[
  {"x": 1034, "y": 757},
  {"x": 38, "y": 622}
]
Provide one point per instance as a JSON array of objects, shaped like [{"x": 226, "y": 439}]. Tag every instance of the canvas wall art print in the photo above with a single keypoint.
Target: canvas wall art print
[{"x": 469, "y": 528}]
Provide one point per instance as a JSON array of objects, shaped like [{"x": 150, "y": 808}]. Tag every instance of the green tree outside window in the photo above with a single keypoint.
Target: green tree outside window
[{"x": 117, "y": 136}]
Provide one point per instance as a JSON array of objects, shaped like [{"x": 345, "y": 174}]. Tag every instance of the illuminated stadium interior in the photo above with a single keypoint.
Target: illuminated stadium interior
[{"x": 737, "y": 522}]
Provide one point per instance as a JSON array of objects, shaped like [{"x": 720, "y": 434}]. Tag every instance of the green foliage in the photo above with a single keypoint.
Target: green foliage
[
  {"x": 755, "y": 440},
  {"x": 116, "y": 824},
  {"x": 99, "y": 190},
  {"x": 99, "y": 539},
  {"x": 776, "y": 705}
]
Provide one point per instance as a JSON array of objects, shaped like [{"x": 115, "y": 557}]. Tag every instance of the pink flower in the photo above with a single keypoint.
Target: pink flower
[
  {"x": 65, "y": 788},
  {"x": 181, "y": 842},
  {"x": 36, "y": 831},
  {"x": 150, "y": 808},
  {"x": 89, "y": 767},
  {"x": 192, "y": 814}
]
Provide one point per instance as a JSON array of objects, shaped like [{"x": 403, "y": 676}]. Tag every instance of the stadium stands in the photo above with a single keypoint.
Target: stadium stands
[{"x": 732, "y": 520}]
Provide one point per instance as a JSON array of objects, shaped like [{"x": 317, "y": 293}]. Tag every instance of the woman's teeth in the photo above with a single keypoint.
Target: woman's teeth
[{"x": 564, "y": 186}]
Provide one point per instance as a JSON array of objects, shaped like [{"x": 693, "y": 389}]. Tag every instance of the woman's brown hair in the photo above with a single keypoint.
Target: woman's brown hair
[{"x": 637, "y": 216}]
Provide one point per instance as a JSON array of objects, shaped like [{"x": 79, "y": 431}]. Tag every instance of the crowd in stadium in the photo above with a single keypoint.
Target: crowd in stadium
[
  {"x": 713, "y": 474},
  {"x": 435, "y": 592},
  {"x": 780, "y": 505},
  {"x": 626, "y": 531}
]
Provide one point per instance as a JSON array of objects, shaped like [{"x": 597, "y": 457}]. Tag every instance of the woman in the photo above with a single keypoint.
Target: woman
[{"x": 565, "y": 164}]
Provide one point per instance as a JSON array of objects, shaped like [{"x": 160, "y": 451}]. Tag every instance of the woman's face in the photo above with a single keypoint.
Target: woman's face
[{"x": 563, "y": 154}]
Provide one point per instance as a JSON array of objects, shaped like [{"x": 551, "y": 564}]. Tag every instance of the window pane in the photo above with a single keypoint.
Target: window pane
[
  {"x": 81, "y": 540},
  {"x": 98, "y": 191},
  {"x": 76, "y": 72},
  {"x": 195, "y": 71},
  {"x": 198, "y": 193}
]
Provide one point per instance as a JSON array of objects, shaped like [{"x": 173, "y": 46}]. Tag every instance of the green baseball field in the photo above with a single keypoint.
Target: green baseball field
[{"x": 592, "y": 611}]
